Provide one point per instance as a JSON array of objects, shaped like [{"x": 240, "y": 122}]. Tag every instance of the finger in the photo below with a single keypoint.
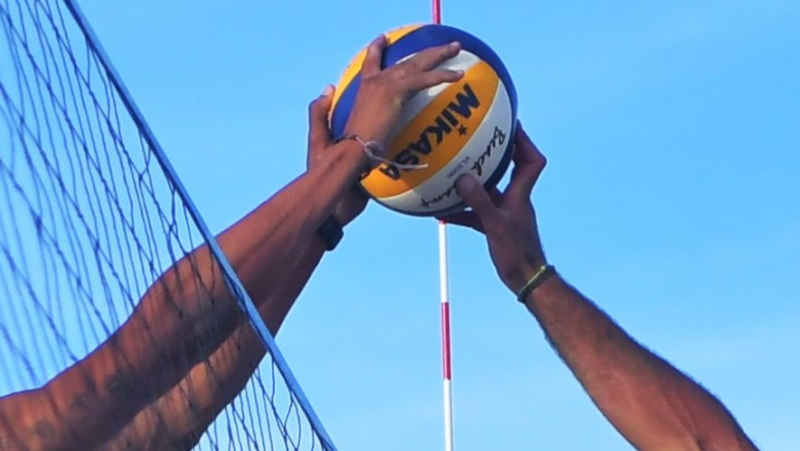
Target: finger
[
  {"x": 426, "y": 80},
  {"x": 528, "y": 165},
  {"x": 530, "y": 152},
  {"x": 496, "y": 196},
  {"x": 431, "y": 58},
  {"x": 464, "y": 219},
  {"x": 471, "y": 191},
  {"x": 319, "y": 134},
  {"x": 372, "y": 61}
]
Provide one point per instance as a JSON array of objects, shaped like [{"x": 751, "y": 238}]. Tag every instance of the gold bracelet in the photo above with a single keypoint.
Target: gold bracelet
[{"x": 537, "y": 279}]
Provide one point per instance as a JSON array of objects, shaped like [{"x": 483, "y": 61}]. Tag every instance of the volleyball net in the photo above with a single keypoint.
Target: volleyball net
[{"x": 91, "y": 216}]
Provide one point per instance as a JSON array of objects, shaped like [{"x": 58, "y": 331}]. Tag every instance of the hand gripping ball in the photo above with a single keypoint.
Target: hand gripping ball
[{"x": 452, "y": 128}]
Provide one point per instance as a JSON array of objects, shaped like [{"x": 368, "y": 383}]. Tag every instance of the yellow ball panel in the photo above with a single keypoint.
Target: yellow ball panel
[{"x": 437, "y": 134}]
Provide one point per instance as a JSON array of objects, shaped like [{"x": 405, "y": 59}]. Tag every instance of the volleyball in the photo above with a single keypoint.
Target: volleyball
[{"x": 450, "y": 129}]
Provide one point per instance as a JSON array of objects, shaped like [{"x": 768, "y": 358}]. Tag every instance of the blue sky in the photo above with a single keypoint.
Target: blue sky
[{"x": 671, "y": 198}]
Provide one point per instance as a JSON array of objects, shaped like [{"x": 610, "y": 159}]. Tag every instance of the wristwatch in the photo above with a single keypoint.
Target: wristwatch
[{"x": 331, "y": 232}]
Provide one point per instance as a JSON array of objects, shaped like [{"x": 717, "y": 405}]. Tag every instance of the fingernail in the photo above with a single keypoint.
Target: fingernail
[
  {"x": 328, "y": 91},
  {"x": 466, "y": 183},
  {"x": 455, "y": 44}
]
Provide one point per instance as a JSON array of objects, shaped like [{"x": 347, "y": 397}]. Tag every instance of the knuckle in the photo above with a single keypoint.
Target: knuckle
[
  {"x": 369, "y": 83},
  {"x": 491, "y": 227},
  {"x": 382, "y": 91},
  {"x": 443, "y": 52},
  {"x": 401, "y": 71},
  {"x": 441, "y": 75},
  {"x": 374, "y": 47},
  {"x": 379, "y": 87},
  {"x": 425, "y": 53}
]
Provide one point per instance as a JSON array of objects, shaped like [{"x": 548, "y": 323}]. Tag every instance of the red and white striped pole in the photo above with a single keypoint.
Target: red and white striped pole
[
  {"x": 445, "y": 301},
  {"x": 446, "y": 369}
]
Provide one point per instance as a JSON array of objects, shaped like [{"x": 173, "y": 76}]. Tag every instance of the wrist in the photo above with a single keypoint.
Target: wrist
[
  {"x": 519, "y": 274},
  {"x": 346, "y": 214},
  {"x": 541, "y": 291},
  {"x": 352, "y": 155},
  {"x": 330, "y": 232},
  {"x": 542, "y": 273},
  {"x": 369, "y": 130}
]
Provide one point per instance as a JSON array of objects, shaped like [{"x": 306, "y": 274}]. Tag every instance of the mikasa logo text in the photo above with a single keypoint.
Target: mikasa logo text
[{"x": 448, "y": 120}]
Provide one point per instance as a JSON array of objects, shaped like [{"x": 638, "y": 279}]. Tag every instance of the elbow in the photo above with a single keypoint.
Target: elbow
[
  {"x": 695, "y": 442},
  {"x": 733, "y": 440},
  {"x": 724, "y": 436}
]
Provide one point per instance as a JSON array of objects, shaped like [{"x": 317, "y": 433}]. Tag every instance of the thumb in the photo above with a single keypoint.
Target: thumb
[
  {"x": 471, "y": 191},
  {"x": 319, "y": 133}
]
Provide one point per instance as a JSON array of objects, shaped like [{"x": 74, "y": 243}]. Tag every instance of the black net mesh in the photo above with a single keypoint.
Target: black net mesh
[{"x": 90, "y": 220}]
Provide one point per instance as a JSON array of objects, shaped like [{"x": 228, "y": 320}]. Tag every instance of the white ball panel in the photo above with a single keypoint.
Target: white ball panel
[{"x": 482, "y": 153}]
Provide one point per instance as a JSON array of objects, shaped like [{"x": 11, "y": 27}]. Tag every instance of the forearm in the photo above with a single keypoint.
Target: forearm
[
  {"x": 179, "y": 418},
  {"x": 650, "y": 402},
  {"x": 259, "y": 247}
]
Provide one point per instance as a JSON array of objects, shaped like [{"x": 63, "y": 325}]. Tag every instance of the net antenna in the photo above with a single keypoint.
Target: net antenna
[
  {"x": 447, "y": 381},
  {"x": 91, "y": 214},
  {"x": 446, "y": 368}
]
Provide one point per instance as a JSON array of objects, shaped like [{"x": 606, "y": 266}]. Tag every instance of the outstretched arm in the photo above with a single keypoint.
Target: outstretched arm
[
  {"x": 179, "y": 418},
  {"x": 650, "y": 402},
  {"x": 178, "y": 323},
  {"x": 188, "y": 313}
]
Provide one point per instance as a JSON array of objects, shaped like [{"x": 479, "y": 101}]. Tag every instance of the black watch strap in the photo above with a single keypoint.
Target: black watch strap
[{"x": 331, "y": 233}]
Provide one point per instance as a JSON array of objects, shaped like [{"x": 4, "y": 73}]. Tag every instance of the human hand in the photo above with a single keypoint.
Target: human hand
[
  {"x": 383, "y": 92},
  {"x": 319, "y": 139},
  {"x": 507, "y": 219}
]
